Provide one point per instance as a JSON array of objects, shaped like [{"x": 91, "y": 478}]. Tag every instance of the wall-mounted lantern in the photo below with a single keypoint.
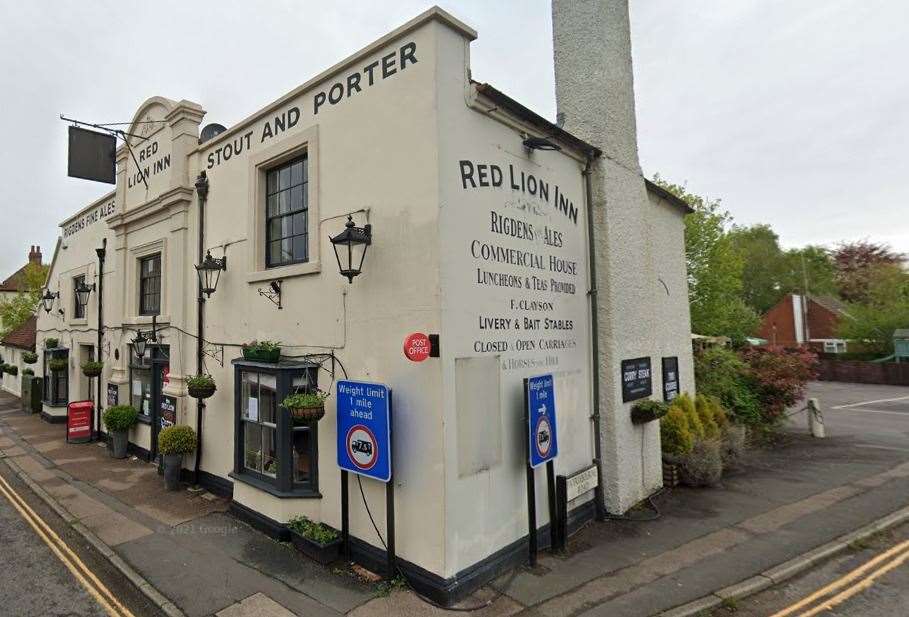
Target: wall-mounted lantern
[
  {"x": 47, "y": 300},
  {"x": 209, "y": 272},
  {"x": 540, "y": 143},
  {"x": 140, "y": 343},
  {"x": 352, "y": 242},
  {"x": 83, "y": 291}
]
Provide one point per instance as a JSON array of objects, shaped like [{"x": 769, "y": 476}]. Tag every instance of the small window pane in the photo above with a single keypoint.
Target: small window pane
[
  {"x": 270, "y": 458},
  {"x": 283, "y": 202},
  {"x": 299, "y": 223},
  {"x": 272, "y": 205},
  {"x": 287, "y": 226},
  {"x": 274, "y": 228},
  {"x": 302, "y": 454},
  {"x": 300, "y": 247},
  {"x": 296, "y": 198},
  {"x": 249, "y": 405},
  {"x": 287, "y": 253},
  {"x": 274, "y": 252},
  {"x": 296, "y": 173},
  {"x": 268, "y": 396},
  {"x": 284, "y": 178},
  {"x": 272, "y": 182},
  {"x": 252, "y": 448}
]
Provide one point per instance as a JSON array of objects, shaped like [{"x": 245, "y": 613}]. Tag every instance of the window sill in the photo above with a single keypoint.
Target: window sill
[
  {"x": 284, "y": 272},
  {"x": 135, "y": 320},
  {"x": 79, "y": 321},
  {"x": 298, "y": 493}
]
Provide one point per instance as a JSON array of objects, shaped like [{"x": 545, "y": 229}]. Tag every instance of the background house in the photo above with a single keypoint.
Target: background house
[
  {"x": 793, "y": 321},
  {"x": 13, "y": 345}
]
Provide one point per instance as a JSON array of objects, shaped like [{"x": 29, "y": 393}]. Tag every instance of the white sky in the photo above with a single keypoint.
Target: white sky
[{"x": 796, "y": 114}]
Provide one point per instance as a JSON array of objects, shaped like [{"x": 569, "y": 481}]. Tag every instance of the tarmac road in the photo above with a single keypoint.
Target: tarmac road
[{"x": 35, "y": 582}]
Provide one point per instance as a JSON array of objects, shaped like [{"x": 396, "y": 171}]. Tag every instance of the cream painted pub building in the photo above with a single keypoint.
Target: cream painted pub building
[{"x": 478, "y": 236}]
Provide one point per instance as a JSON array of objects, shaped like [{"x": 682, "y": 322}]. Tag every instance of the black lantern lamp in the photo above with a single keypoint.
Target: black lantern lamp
[
  {"x": 47, "y": 300},
  {"x": 209, "y": 272},
  {"x": 82, "y": 292},
  {"x": 352, "y": 243},
  {"x": 139, "y": 344}
]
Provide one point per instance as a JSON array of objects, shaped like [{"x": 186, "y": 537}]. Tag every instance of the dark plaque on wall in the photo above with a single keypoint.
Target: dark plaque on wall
[
  {"x": 636, "y": 380},
  {"x": 168, "y": 411},
  {"x": 670, "y": 378},
  {"x": 113, "y": 394}
]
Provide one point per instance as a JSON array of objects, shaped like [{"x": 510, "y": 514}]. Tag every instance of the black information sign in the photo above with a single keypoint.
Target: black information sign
[
  {"x": 92, "y": 155},
  {"x": 636, "y": 381},
  {"x": 168, "y": 411},
  {"x": 670, "y": 378},
  {"x": 113, "y": 394}
]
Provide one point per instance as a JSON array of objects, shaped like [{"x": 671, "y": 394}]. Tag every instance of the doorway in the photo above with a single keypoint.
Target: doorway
[{"x": 148, "y": 376}]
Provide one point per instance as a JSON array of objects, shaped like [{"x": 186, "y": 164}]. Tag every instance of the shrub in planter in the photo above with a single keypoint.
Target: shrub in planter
[
  {"x": 12, "y": 369},
  {"x": 306, "y": 406},
  {"x": 29, "y": 357},
  {"x": 51, "y": 343},
  {"x": 706, "y": 416},
  {"x": 703, "y": 465},
  {"x": 173, "y": 443},
  {"x": 685, "y": 403},
  {"x": 675, "y": 433},
  {"x": 92, "y": 368},
  {"x": 118, "y": 420},
  {"x": 27, "y": 371},
  {"x": 648, "y": 410},
  {"x": 58, "y": 364},
  {"x": 200, "y": 386},
  {"x": 262, "y": 351},
  {"x": 315, "y": 540}
]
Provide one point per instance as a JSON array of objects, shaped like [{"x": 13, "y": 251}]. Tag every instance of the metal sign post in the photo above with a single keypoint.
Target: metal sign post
[
  {"x": 364, "y": 448},
  {"x": 542, "y": 447}
]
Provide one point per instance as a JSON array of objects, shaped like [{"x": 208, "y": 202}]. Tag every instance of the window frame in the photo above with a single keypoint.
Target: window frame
[
  {"x": 53, "y": 380},
  {"x": 78, "y": 308},
  {"x": 143, "y": 311},
  {"x": 282, "y": 484},
  {"x": 275, "y": 191}
]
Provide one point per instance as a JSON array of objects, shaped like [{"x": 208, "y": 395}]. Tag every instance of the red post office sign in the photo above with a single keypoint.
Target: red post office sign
[
  {"x": 79, "y": 420},
  {"x": 417, "y": 347}
]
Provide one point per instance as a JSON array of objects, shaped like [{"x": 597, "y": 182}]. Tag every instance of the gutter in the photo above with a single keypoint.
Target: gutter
[
  {"x": 101, "y": 252},
  {"x": 202, "y": 191},
  {"x": 599, "y": 494}
]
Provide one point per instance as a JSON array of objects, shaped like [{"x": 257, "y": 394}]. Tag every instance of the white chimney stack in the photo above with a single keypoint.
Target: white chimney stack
[{"x": 595, "y": 99}]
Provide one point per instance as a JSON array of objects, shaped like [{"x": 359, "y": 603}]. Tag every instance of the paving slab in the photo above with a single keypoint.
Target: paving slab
[{"x": 113, "y": 528}]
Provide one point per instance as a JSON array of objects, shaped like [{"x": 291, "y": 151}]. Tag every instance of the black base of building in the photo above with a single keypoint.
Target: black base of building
[
  {"x": 441, "y": 590},
  {"x": 215, "y": 485},
  {"x": 52, "y": 419}
]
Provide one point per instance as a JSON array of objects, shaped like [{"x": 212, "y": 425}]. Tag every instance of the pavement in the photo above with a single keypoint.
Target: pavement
[{"x": 777, "y": 506}]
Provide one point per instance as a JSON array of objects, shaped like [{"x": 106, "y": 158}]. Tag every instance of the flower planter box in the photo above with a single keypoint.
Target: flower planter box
[
  {"x": 643, "y": 413},
  {"x": 670, "y": 474},
  {"x": 272, "y": 356},
  {"x": 321, "y": 553},
  {"x": 308, "y": 414}
]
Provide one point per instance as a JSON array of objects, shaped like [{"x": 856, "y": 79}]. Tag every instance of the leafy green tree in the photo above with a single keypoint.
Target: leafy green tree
[
  {"x": 764, "y": 268},
  {"x": 885, "y": 308},
  {"x": 813, "y": 263},
  {"x": 714, "y": 269},
  {"x": 16, "y": 310}
]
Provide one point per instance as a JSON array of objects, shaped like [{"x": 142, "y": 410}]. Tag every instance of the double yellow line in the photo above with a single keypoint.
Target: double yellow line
[
  {"x": 83, "y": 574},
  {"x": 849, "y": 585}
]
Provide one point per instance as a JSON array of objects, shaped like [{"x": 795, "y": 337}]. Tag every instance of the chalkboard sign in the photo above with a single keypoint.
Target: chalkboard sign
[
  {"x": 113, "y": 394},
  {"x": 670, "y": 378},
  {"x": 168, "y": 411},
  {"x": 636, "y": 380}
]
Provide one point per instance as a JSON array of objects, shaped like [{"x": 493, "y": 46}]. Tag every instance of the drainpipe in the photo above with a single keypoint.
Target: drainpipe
[
  {"x": 599, "y": 495},
  {"x": 101, "y": 252},
  {"x": 202, "y": 191}
]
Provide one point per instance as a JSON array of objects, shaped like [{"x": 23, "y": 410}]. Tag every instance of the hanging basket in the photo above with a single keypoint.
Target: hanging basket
[
  {"x": 201, "y": 392},
  {"x": 308, "y": 414},
  {"x": 92, "y": 371},
  {"x": 57, "y": 366},
  {"x": 29, "y": 357}
]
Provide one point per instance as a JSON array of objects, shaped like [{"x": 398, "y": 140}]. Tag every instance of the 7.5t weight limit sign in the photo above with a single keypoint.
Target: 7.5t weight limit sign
[
  {"x": 364, "y": 429},
  {"x": 543, "y": 443}
]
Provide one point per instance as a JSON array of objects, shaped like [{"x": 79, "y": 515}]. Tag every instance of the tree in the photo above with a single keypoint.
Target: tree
[
  {"x": 855, "y": 264},
  {"x": 16, "y": 310},
  {"x": 885, "y": 308},
  {"x": 765, "y": 265},
  {"x": 714, "y": 269},
  {"x": 811, "y": 265}
]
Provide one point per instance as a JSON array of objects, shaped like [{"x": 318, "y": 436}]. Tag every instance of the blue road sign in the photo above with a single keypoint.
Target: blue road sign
[
  {"x": 364, "y": 429},
  {"x": 539, "y": 395}
]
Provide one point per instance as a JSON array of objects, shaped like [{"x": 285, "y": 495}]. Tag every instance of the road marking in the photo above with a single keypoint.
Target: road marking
[
  {"x": 882, "y": 400},
  {"x": 883, "y": 411},
  {"x": 79, "y": 570},
  {"x": 901, "y": 553}
]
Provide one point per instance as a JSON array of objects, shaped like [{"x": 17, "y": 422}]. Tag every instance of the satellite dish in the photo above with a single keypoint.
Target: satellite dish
[{"x": 211, "y": 131}]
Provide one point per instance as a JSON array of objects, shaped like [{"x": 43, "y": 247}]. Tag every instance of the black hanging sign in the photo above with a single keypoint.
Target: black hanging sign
[
  {"x": 670, "y": 378},
  {"x": 113, "y": 394},
  {"x": 92, "y": 155},
  {"x": 168, "y": 411},
  {"x": 636, "y": 380}
]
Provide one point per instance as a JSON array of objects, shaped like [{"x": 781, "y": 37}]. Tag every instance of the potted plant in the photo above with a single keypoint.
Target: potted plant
[
  {"x": 29, "y": 357},
  {"x": 200, "y": 386},
  {"x": 11, "y": 369},
  {"x": 27, "y": 371},
  {"x": 262, "y": 351},
  {"x": 58, "y": 364},
  {"x": 92, "y": 368},
  {"x": 50, "y": 343},
  {"x": 317, "y": 541},
  {"x": 306, "y": 406},
  {"x": 173, "y": 442},
  {"x": 118, "y": 420},
  {"x": 648, "y": 411}
]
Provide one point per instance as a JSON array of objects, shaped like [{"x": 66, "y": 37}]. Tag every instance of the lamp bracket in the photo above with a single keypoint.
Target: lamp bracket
[
  {"x": 213, "y": 351},
  {"x": 273, "y": 293}
]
